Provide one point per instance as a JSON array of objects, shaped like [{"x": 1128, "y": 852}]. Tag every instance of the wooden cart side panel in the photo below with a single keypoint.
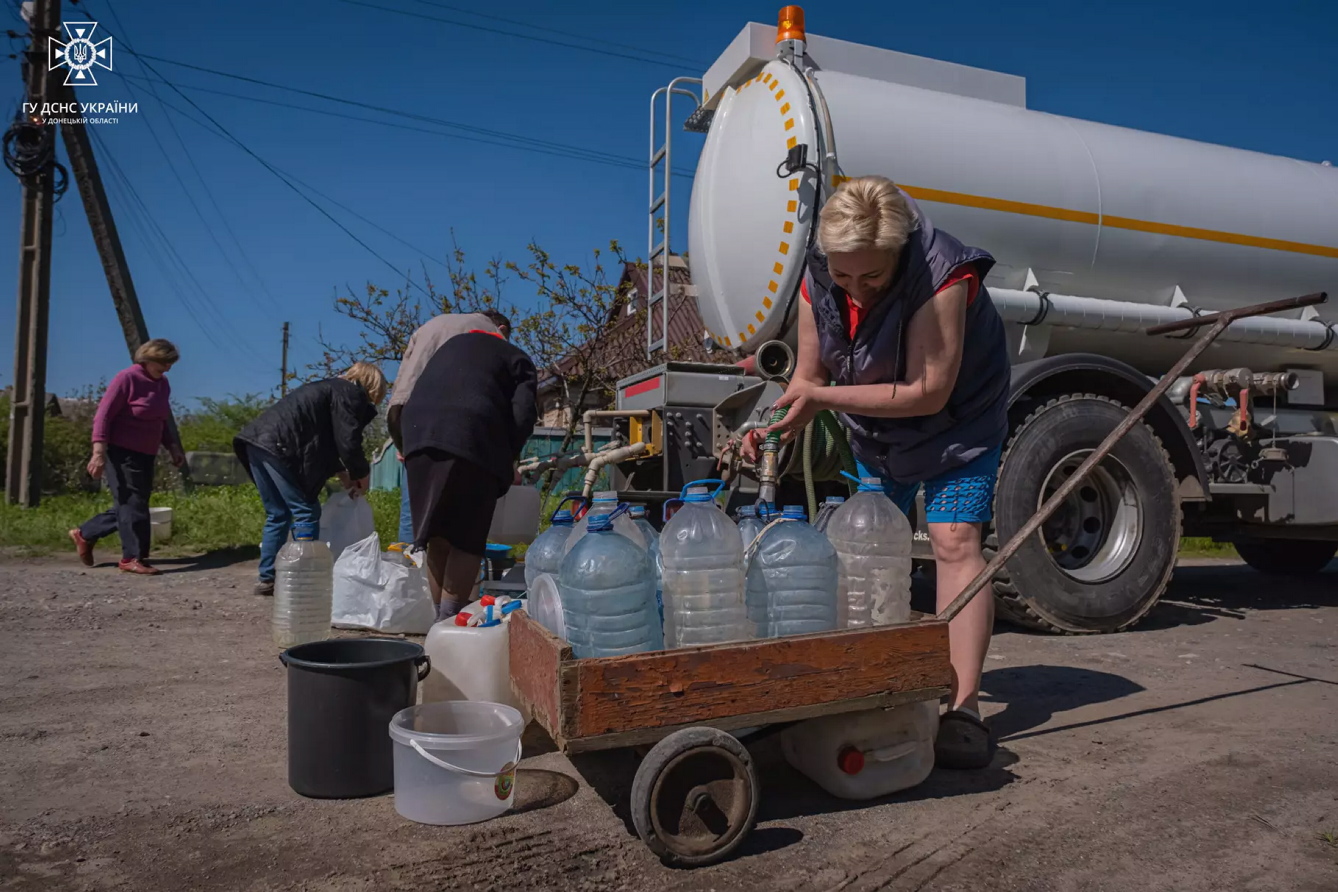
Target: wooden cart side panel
[
  {"x": 537, "y": 659},
  {"x": 666, "y": 688}
]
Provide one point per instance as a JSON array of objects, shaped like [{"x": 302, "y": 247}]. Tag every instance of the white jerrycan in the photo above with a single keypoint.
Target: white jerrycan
[{"x": 864, "y": 755}]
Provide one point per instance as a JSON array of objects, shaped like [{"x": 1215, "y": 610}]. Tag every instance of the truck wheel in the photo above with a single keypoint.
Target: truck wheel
[
  {"x": 1287, "y": 557},
  {"x": 1105, "y": 557}
]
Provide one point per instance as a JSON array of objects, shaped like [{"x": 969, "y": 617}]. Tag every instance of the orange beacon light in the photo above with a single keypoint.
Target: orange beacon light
[{"x": 791, "y": 25}]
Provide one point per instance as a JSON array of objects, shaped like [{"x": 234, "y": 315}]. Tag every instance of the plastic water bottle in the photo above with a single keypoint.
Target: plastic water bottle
[
  {"x": 604, "y": 503},
  {"x": 607, "y": 586},
  {"x": 702, "y": 556},
  {"x": 638, "y": 515},
  {"x": 873, "y": 545},
  {"x": 303, "y": 589},
  {"x": 749, "y": 525},
  {"x": 829, "y": 505},
  {"x": 547, "y": 550},
  {"x": 792, "y": 579}
]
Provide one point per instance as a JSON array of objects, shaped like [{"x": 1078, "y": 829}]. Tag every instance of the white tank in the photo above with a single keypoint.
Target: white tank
[{"x": 1089, "y": 209}]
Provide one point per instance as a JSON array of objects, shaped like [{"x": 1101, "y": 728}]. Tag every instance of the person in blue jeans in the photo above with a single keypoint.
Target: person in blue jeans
[
  {"x": 296, "y": 445},
  {"x": 406, "y": 515},
  {"x": 897, "y": 334}
]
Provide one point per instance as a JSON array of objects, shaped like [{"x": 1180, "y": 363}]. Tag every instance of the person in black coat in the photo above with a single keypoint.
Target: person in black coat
[
  {"x": 464, "y": 427},
  {"x": 296, "y": 445}
]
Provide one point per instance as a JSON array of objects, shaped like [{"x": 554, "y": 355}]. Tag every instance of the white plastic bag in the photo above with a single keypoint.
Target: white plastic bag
[
  {"x": 345, "y": 520},
  {"x": 383, "y": 592}
]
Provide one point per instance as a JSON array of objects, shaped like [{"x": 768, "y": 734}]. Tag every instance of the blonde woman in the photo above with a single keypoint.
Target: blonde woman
[
  {"x": 894, "y": 312},
  {"x": 296, "y": 445},
  {"x": 129, "y": 427}
]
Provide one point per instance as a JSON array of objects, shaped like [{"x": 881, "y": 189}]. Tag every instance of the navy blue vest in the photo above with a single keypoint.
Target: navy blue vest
[{"x": 975, "y": 419}]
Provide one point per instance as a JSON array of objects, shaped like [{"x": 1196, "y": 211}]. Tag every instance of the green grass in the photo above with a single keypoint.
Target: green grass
[
  {"x": 1199, "y": 547},
  {"x": 216, "y": 518},
  {"x": 210, "y": 519}
]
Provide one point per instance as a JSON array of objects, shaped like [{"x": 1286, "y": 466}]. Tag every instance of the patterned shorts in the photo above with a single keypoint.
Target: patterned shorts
[{"x": 962, "y": 495}]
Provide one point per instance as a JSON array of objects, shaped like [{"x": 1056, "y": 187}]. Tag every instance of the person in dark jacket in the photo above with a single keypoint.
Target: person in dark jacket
[
  {"x": 464, "y": 427},
  {"x": 895, "y": 314},
  {"x": 296, "y": 445}
]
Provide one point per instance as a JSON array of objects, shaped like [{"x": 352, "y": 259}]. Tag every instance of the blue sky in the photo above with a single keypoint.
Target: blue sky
[{"x": 1257, "y": 76}]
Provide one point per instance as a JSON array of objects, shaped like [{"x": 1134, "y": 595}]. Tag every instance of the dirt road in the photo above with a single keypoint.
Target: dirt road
[{"x": 142, "y": 744}]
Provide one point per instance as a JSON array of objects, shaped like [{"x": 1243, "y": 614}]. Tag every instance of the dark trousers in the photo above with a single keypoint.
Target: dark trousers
[{"x": 129, "y": 476}]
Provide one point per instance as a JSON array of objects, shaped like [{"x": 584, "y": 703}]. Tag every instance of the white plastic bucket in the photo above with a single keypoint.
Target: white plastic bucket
[
  {"x": 160, "y": 524},
  {"x": 455, "y": 761}
]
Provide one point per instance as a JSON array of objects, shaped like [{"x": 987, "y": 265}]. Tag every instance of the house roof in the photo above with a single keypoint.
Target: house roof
[{"x": 627, "y": 336}]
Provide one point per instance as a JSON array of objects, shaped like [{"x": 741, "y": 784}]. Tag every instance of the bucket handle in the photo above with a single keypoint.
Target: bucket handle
[
  {"x": 424, "y": 664},
  {"x": 520, "y": 745}
]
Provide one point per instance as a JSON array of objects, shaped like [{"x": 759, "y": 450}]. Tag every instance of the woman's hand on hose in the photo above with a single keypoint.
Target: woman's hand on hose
[{"x": 802, "y": 398}]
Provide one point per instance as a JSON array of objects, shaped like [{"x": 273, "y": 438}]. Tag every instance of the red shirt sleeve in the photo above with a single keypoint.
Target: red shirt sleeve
[
  {"x": 803, "y": 290},
  {"x": 964, "y": 273}
]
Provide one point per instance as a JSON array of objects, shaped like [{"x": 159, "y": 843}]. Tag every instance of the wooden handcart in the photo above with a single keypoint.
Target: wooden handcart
[{"x": 695, "y": 794}]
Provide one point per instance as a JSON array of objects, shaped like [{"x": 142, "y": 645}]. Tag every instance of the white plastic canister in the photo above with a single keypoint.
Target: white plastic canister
[
  {"x": 471, "y": 662},
  {"x": 863, "y": 755}
]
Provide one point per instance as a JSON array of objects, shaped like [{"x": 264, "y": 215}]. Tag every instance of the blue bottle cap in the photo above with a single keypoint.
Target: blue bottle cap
[
  {"x": 870, "y": 484},
  {"x": 638, "y": 512},
  {"x": 563, "y": 518},
  {"x": 606, "y": 497},
  {"x": 795, "y": 511},
  {"x": 835, "y": 500},
  {"x": 599, "y": 523},
  {"x": 747, "y": 511},
  {"x": 698, "y": 494},
  {"x": 305, "y": 532}
]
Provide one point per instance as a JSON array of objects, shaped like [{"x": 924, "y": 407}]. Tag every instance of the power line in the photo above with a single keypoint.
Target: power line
[
  {"x": 258, "y": 279},
  {"x": 545, "y": 40},
  {"x": 496, "y": 18},
  {"x": 368, "y": 248},
  {"x": 316, "y": 191},
  {"x": 548, "y": 147}
]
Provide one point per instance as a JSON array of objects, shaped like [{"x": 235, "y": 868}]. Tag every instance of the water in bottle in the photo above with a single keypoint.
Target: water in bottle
[
  {"x": 873, "y": 546},
  {"x": 702, "y": 556},
  {"x": 607, "y": 586},
  {"x": 303, "y": 589},
  {"x": 638, "y": 515},
  {"x": 546, "y": 551},
  {"x": 749, "y": 525},
  {"x": 792, "y": 579},
  {"x": 829, "y": 505},
  {"x": 604, "y": 503}
]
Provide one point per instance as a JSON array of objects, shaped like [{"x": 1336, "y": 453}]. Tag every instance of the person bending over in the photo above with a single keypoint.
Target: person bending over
[{"x": 464, "y": 427}]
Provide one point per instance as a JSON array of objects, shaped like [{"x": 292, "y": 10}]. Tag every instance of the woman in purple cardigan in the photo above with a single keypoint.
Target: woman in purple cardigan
[{"x": 130, "y": 425}]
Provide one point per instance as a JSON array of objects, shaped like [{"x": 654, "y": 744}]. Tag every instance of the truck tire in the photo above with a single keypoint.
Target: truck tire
[
  {"x": 1106, "y": 556},
  {"x": 1287, "y": 557}
]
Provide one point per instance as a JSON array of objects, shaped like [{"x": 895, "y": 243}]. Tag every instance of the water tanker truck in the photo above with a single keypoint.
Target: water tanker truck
[{"x": 1099, "y": 232}]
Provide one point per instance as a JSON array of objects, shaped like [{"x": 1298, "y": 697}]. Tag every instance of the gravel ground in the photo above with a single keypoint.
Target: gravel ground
[{"x": 142, "y": 739}]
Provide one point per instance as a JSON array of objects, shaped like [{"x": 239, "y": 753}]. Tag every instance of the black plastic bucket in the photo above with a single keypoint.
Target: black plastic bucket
[{"x": 342, "y": 694}]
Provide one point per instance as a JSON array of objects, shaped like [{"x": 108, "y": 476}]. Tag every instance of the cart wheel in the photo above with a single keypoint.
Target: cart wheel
[{"x": 694, "y": 798}]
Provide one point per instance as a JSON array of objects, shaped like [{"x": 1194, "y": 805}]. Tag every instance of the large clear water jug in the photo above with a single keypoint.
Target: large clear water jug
[
  {"x": 792, "y": 579},
  {"x": 825, "y": 511},
  {"x": 702, "y": 556},
  {"x": 607, "y": 586},
  {"x": 546, "y": 552},
  {"x": 604, "y": 503},
  {"x": 638, "y": 515},
  {"x": 749, "y": 525},
  {"x": 872, "y": 539},
  {"x": 303, "y": 589}
]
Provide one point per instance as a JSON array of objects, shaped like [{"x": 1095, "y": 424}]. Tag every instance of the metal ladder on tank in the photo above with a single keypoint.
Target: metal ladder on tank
[{"x": 658, "y": 228}]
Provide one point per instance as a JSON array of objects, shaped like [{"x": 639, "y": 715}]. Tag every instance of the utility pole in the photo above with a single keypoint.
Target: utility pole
[
  {"x": 283, "y": 372},
  {"x": 36, "y": 140}
]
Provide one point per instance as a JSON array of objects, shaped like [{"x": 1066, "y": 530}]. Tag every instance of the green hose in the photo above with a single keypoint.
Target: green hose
[
  {"x": 809, "y": 489},
  {"x": 837, "y": 436}
]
